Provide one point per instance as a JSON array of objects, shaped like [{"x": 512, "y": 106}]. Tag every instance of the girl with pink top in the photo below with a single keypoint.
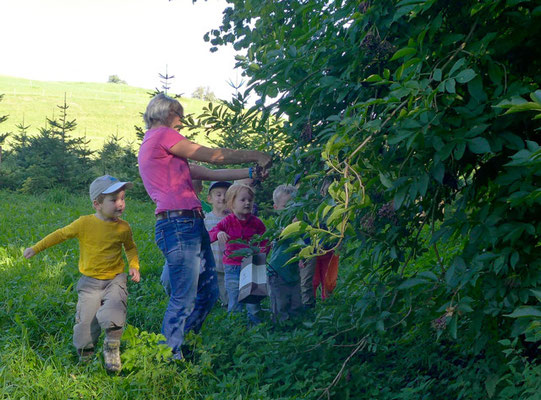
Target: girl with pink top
[
  {"x": 240, "y": 224},
  {"x": 180, "y": 232}
]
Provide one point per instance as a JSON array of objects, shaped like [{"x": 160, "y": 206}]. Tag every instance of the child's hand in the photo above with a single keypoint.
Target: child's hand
[
  {"x": 29, "y": 252},
  {"x": 222, "y": 237},
  {"x": 135, "y": 275}
]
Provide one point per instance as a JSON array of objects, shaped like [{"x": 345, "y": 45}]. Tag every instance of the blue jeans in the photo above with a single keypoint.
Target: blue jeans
[
  {"x": 232, "y": 276},
  {"x": 184, "y": 242}
]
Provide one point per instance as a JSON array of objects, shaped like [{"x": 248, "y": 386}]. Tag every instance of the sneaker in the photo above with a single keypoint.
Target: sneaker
[
  {"x": 85, "y": 355},
  {"x": 111, "y": 355}
]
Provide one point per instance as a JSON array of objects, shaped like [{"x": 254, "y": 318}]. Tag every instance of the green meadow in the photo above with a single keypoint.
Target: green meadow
[
  {"x": 100, "y": 109},
  {"x": 323, "y": 354}
]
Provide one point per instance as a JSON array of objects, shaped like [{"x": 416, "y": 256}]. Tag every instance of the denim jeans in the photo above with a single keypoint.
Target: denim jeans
[
  {"x": 184, "y": 242},
  {"x": 232, "y": 276}
]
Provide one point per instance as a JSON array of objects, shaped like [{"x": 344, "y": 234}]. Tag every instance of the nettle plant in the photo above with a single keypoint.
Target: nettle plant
[{"x": 411, "y": 107}]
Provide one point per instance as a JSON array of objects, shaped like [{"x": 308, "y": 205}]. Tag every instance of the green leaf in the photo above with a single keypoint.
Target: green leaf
[
  {"x": 465, "y": 76},
  {"x": 453, "y": 326},
  {"x": 490, "y": 385},
  {"x": 428, "y": 274},
  {"x": 293, "y": 228},
  {"x": 457, "y": 65},
  {"x": 373, "y": 78},
  {"x": 479, "y": 145},
  {"x": 404, "y": 52},
  {"x": 411, "y": 283},
  {"x": 536, "y": 96},
  {"x": 400, "y": 196},
  {"x": 438, "y": 172},
  {"x": 536, "y": 293},
  {"x": 423, "y": 184},
  {"x": 450, "y": 85},
  {"x": 437, "y": 75},
  {"x": 525, "y": 311},
  {"x": 385, "y": 181}
]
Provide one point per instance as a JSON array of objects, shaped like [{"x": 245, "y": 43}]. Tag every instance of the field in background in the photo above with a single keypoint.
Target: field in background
[{"x": 100, "y": 109}]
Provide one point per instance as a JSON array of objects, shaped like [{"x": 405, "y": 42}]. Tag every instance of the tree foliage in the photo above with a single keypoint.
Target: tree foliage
[
  {"x": 435, "y": 192},
  {"x": 204, "y": 93},
  {"x": 116, "y": 79}
]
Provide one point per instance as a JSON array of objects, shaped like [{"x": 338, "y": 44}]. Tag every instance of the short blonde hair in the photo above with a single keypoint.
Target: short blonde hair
[
  {"x": 290, "y": 190},
  {"x": 234, "y": 191},
  {"x": 161, "y": 110}
]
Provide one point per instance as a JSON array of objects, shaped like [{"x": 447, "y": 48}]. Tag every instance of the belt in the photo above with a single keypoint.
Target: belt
[{"x": 180, "y": 213}]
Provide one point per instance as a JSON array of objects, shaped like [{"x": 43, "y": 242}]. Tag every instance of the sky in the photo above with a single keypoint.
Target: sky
[{"x": 89, "y": 40}]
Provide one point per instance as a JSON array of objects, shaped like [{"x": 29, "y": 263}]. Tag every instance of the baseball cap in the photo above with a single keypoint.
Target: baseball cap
[
  {"x": 106, "y": 184},
  {"x": 219, "y": 184}
]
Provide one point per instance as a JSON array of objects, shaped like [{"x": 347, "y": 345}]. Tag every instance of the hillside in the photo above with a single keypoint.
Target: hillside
[{"x": 100, "y": 109}]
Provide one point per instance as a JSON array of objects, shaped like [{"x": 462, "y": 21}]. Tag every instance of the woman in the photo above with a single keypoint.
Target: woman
[{"x": 180, "y": 232}]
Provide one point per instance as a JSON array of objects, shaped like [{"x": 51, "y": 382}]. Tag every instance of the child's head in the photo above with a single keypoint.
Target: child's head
[
  {"x": 282, "y": 194},
  {"x": 240, "y": 199},
  {"x": 247, "y": 182},
  {"x": 107, "y": 195},
  {"x": 216, "y": 196}
]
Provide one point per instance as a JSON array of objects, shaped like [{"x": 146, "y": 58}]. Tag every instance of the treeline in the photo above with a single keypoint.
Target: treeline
[{"x": 55, "y": 158}]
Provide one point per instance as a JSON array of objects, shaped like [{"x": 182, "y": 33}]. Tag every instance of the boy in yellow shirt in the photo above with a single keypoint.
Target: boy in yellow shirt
[{"x": 102, "y": 290}]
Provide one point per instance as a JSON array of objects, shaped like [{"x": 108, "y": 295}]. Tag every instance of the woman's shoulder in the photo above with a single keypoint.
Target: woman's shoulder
[{"x": 161, "y": 132}]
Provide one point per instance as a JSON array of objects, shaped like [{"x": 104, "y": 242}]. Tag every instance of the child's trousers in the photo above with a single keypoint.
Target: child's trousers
[
  {"x": 285, "y": 298},
  {"x": 232, "y": 278},
  {"x": 101, "y": 305}
]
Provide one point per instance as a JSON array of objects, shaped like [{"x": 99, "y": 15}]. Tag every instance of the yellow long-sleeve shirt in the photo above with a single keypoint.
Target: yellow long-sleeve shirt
[{"x": 100, "y": 245}]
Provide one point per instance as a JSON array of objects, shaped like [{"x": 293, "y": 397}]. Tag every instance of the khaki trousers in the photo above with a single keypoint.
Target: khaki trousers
[{"x": 101, "y": 305}]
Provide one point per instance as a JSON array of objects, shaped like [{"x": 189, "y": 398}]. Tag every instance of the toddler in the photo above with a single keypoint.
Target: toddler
[
  {"x": 284, "y": 281},
  {"x": 240, "y": 224},
  {"x": 102, "y": 292}
]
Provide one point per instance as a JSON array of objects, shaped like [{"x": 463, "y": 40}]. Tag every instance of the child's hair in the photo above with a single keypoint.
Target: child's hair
[
  {"x": 234, "y": 191},
  {"x": 100, "y": 198},
  {"x": 290, "y": 190}
]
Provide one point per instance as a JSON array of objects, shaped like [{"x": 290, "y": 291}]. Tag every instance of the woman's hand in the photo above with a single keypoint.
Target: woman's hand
[
  {"x": 222, "y": 237},
  {"x": 264, "y": 160}
]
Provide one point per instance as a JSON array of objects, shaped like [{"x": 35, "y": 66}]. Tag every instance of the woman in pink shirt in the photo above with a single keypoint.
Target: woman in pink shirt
[{"x": 180, "y": 233}]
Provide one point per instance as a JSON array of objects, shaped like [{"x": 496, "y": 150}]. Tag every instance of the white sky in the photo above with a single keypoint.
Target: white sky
[{"x": 88, "y": 40}]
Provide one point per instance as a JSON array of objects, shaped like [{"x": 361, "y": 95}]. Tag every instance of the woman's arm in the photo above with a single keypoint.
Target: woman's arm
[
  {"x": 207, "y": 174},
  {"x": 193, "y": 151}
]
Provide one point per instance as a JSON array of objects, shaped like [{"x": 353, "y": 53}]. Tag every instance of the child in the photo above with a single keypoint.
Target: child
[
  {"x": 284, "y": 281},
  {"x": 102, "y": 288},
  {"x": 216, "y": 198},
  {"x": 240, "y": 224}
]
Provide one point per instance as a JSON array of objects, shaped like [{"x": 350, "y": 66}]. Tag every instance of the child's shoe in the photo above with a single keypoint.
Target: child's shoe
[
  {"x": 85, "y": 355},
  {"x": 111, "y": 355}
]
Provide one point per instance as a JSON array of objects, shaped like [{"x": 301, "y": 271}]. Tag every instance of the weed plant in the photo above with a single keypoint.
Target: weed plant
[{"x": 327, "y": 353}]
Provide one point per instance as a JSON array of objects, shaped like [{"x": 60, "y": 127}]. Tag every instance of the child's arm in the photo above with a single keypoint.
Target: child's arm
[
  {"x": 219, "y": 232},
  {"x": 53, "y": 238}
]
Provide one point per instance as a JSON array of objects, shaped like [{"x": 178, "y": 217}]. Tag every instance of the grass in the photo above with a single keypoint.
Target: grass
[
  {"x": 298, "y": 361},
  {"x": 100, "y": 109}
]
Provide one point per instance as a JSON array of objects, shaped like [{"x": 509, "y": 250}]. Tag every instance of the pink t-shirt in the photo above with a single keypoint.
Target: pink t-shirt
[{"x": 166, "y": 177}]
